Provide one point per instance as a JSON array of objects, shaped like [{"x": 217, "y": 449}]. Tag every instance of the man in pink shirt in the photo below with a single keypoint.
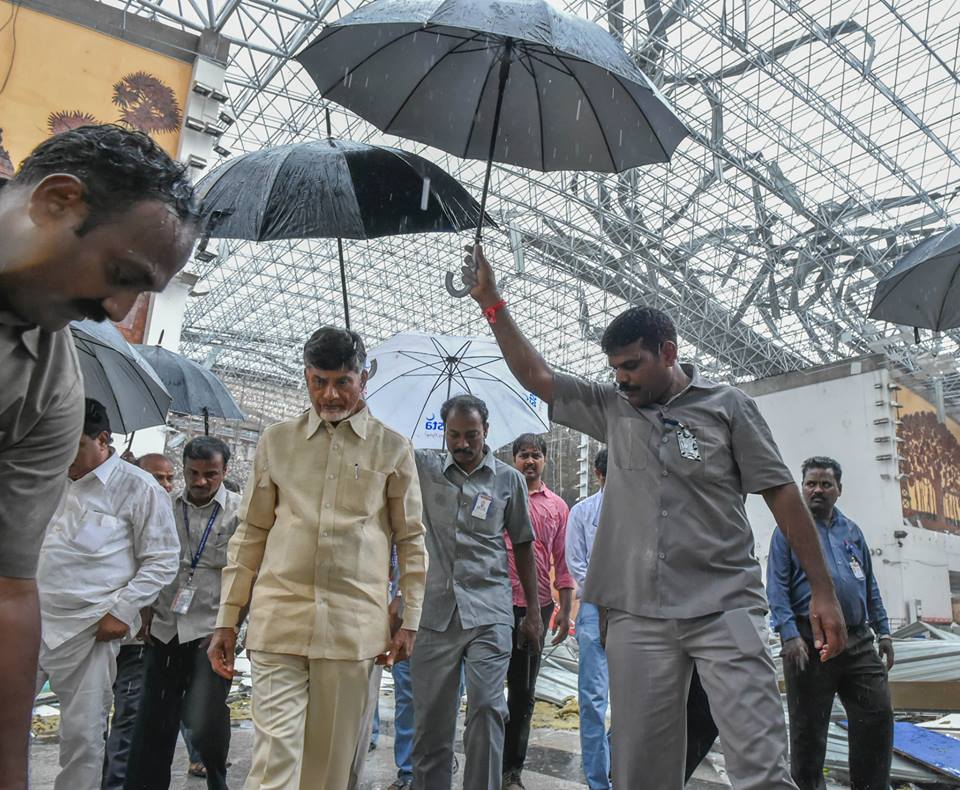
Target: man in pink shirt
[{"x": 548, "y": 514}]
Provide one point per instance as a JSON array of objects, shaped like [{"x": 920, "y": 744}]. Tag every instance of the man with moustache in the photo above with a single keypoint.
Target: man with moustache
[
  {"x": 93, "y": 217},
  {"x": 178, "y": 681},
  {"x": 471, "y": 500},
  {"x": 109, "y": 551},
  {"x": 858, "y": 674},
  {"x": 330, "y": 492},
  {"x": 128, "y": 685},
  {"x": 673, "y": 560}
]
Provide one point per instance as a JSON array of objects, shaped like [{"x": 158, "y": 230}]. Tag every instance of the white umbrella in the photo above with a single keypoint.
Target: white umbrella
[{"x": 412, "y": 374}]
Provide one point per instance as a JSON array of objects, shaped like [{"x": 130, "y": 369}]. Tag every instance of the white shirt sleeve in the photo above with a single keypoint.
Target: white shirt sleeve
[{"x": 156, "y": 549}]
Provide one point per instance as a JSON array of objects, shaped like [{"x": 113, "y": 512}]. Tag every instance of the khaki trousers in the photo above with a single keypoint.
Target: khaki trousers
[{"x": 307, "y": 716}]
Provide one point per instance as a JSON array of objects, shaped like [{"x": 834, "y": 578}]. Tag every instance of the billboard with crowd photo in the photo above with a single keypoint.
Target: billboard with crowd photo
[{"x": 930, "y": 458}]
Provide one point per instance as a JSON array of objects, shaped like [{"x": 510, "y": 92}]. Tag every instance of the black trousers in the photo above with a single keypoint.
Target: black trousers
[
  {"x": 126, "y": 700},
  {"x": 701, "y": 730},
  {"x": 521, "y": 685},
  {"x": 860, "y": 678},
  {"x": 178, "y": 680}
]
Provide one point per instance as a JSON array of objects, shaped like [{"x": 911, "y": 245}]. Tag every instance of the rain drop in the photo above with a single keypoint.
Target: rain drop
[
  {"x": 621, "y": 138},
  {"x": 579, "y": 103},
  {"x": 425, "y": 194}
]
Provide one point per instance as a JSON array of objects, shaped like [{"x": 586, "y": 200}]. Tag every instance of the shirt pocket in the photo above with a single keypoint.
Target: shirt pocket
[
  {"x": 629, "y": 443},
  {"x": 362, "y": 492},
  {"x": 492, "y": 526},
  {"x": 95, "y": 531},
  {"x": 713, "y": 447}
]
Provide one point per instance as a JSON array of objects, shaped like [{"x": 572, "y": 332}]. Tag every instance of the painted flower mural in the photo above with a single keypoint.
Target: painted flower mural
[{"x": 146, "y": 103}]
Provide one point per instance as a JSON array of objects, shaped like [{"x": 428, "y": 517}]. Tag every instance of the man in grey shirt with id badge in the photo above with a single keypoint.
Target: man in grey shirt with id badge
[
  {"x": 178, "y": 681},
  {"x": 470, "y": 499},
  {"x": 673, "y": 560}
]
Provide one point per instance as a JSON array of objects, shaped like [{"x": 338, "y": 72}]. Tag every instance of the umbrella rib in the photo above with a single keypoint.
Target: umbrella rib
[
  {"x": 644, "y": 115},
  {"x": 593, "y": 109},
  {"x": 429, "y": 71},
  {"x": 536, "y": 90},
  {"x": 476, "y": 111},
  {"x": 372, "y": 55},
  {"x": 946, "y": 293}
]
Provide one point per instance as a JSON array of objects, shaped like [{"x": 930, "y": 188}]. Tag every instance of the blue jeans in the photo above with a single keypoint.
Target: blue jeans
[
  {"x": 593, "y": 688},
  {"x": 403, "y": 721}
]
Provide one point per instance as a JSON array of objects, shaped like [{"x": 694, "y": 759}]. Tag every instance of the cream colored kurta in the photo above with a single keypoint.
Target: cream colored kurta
[{"x": 319, "y": 515}]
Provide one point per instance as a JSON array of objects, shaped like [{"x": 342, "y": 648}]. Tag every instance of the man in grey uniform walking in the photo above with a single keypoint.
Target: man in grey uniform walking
[
  {"x": 673, "y": 560},
  {"x": 470, "y": 499}
]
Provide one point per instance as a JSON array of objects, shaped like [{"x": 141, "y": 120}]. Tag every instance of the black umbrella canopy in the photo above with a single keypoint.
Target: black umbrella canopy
[
  {"x": 923, "y": 288},
  {"x": 430, "y": 70},
  {"x": 332, "y": 189}
]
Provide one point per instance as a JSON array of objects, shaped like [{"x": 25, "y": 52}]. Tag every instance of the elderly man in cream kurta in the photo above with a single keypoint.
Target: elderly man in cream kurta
[{"x": 331, "y": 490}]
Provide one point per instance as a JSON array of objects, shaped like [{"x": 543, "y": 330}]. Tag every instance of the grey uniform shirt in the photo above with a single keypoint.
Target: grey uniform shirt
[
  {"x": 201, "y": 618},
  {"x": 41, "y": 416},
  {"x": 468, "y": 555},
  {"x": 674, "y": 540}
]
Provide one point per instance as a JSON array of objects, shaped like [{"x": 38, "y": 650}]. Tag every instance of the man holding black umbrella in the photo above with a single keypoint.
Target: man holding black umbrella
[
  {"x": 673, "y": 561},
  {"x": 93, "y": 217}
]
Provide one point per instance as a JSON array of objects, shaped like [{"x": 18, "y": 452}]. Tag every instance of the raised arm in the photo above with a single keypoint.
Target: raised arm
[{"x": 524, "y": 361}]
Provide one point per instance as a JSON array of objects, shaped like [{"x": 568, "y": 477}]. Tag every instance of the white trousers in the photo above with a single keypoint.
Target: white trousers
[{"x": 81, "y": 672}]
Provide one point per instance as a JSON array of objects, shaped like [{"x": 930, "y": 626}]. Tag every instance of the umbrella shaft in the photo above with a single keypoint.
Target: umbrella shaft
[
  {"x": 504, "y": 74},
  {"x": 343, "y": 284}
]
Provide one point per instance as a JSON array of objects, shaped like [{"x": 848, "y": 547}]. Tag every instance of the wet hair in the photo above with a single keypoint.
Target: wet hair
[
  {"x": 465, "y": 403},
  {"x": 95, "y": 419},
  {"x": 118, "y": 168},
  {"x": 332, "y": 348},
  {"x": 529, "y": 440},
  {"x": 822, "y": 462},
  {"x": 600, "y": 462},
  {"x": 650, "y": 326},
  {"x": 206, "y": 448}
]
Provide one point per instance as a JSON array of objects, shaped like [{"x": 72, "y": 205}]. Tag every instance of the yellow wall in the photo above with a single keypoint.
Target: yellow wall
[
  {"x": 931, "y": 453},
  {"x": 58, "y": 67}
]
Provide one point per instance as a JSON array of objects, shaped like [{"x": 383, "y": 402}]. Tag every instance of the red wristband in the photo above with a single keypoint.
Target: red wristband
[{"x": 491, "y": 312}]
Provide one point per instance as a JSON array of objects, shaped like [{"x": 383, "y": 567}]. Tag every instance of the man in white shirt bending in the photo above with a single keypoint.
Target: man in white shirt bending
[{"x": 109, "y": 551}]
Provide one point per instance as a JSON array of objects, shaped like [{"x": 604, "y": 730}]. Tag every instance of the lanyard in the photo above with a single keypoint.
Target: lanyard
[{"x": 203, "y": 538}]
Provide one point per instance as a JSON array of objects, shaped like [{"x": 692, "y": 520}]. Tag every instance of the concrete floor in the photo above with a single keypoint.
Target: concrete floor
[{"x": 553, "y": 761}]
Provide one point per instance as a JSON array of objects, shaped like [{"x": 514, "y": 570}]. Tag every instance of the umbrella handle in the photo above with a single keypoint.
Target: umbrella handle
[{"x": 452, "y": 289}]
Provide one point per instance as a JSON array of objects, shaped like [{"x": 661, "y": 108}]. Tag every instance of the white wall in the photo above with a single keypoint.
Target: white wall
[{"x": 837, "y": 418}]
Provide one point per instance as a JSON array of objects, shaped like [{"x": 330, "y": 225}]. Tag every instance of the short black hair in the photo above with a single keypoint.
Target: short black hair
[
  {"x": 600, "y": 462},
  {"x": 529, "y": 440},
  {"x": 822, "y": 462},
  {"x": 95, "y": 419},
  {"x": 650, "y": 326},
  {"x": 118, "y": 167},
  {"x": 465, "y": 403},
  {"x": 332, "y": 348},
  {"x": 204, "y": 448}
]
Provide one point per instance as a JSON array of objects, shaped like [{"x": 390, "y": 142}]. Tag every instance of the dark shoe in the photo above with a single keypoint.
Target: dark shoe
[{"x": 511, "y": 781}]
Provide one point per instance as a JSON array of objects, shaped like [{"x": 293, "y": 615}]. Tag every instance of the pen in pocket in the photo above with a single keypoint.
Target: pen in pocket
[{"x": 356, "y": 471}]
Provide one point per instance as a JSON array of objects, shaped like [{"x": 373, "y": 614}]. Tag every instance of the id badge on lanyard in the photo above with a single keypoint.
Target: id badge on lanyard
[{"x": 186, "y": 592}]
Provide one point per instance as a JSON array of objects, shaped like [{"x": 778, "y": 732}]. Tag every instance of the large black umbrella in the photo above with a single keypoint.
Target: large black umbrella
[
  {"x": 115, "y": 374},
  {"x": 195, "y": 389},
  {"x": 332, "y": 189},
  {"x": 514, "y": 81},
  {"x": 923, "y": 288}
]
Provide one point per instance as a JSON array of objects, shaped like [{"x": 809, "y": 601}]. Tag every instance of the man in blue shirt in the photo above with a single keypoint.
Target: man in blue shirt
[{"x": 858, "y": 674}]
